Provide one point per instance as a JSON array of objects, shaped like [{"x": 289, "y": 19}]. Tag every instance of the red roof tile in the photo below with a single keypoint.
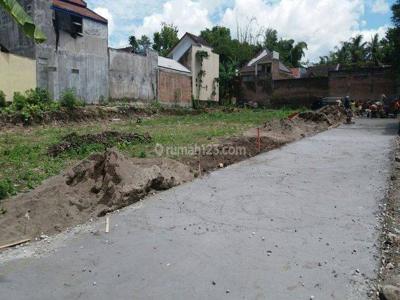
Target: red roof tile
[
  {"x": 79, "y": 2},
  {"x": 78, "y": 9}
]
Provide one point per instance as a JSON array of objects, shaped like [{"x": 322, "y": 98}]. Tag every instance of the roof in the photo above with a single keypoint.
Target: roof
[
  {"x": 197, "y": 40},
  {"x": 283, "y": 68},
  {"x": 321, "y": 70},
  {"x": 296, "y": 72},
  {"x": 79, "y": 2},
  {"x": 171, "y": 64},
  {"x": 78, "y": 7},
  {"x": 259, "y": 56}
]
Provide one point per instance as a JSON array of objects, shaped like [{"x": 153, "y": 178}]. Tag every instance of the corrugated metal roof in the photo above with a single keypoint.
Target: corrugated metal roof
[
  {"x": 261, "y": 55},
  {"x": 282, "y": 67},
  {"x": 76, "y": 8},
  {"x": 171, "y": 64}
]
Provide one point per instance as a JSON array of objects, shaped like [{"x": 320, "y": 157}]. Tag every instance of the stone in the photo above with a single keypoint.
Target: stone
[{"x": 390, "y": 292}]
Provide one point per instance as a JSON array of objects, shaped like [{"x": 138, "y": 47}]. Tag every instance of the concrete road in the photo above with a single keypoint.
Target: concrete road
[{"x": 289, "y": 224}]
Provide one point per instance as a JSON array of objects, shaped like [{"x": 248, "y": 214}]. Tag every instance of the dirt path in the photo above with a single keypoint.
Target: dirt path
[{"x": 289, "y": 224}]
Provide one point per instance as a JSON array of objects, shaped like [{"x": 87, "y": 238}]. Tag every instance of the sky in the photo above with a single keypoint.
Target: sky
[{"x": 322, "y": 24}]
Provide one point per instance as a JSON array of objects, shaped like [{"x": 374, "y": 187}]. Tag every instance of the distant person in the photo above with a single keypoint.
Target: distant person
[
  {"x": 346, "y": 103},
  {"x": 383, "y": 98},
  {"x": 396, "y": 107}
]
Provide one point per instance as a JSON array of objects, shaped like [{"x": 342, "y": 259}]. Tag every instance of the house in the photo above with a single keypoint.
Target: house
[
  {"x": 74, "y": 56},
  {"x": 258, "y": 75},
  {"x": 265, "y": 65},
  {"x": 197, "y": 56}
]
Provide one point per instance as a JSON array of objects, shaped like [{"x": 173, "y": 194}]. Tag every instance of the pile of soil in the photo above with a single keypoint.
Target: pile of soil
[
  {"x": 74, "y": 141},
  {"x": 273, "y": 134},
  {"x": 94, "y": 187},
  {"x": 94, "y": 113}
]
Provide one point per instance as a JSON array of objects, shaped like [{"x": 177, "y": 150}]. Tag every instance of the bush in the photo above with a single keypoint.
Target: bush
[
  {"x": 69, "y": 100},
  {"x": 19, "y": 101},
  {"x": 6, "y": 188},
  {"x": 38, "y": 96},
  {"x": 3, "y": 102}
]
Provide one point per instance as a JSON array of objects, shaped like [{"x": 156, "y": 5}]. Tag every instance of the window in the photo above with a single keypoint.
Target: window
[
  {"x": 68, "y": 23},
  {"x": 247, "y": 78},
  {"x": 77, "y": 25}
]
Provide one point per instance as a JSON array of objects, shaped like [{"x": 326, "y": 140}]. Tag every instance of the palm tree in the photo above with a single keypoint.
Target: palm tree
[
  {"x": 374, "y": 50},
  {"x": 297, "y": 53},
  {"x": 357, "y": 49},
  {"x": 23, "y": 19}
]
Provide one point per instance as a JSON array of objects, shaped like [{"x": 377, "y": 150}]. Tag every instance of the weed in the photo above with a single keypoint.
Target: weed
[
  {"x": 6, "y": 188},
  {"x": 69, "y": 100},
  {"x": 3, "y": 102}
]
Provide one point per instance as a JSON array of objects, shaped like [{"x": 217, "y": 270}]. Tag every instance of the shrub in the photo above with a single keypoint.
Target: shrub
[
  {"x": 69, "y": 100},
  {"x": 38, "y": 96},
  {"x": 2, "y": 99},
  {"x": 6, "y": 188},
  {"x": 19, "y": 101}
]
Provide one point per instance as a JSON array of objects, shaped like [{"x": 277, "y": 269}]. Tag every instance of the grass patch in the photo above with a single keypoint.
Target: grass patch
[{"x": 24, "y": 162}]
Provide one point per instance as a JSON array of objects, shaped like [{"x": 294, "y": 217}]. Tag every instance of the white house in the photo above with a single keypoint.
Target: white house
[{"x": 195, "y": 54}]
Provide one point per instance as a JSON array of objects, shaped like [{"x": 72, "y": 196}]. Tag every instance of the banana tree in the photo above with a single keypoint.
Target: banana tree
[{"x": 17, "y": 12}]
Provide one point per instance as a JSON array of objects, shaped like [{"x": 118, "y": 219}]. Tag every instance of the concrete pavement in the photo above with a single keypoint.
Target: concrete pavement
[{"x": 289, "y": 224}]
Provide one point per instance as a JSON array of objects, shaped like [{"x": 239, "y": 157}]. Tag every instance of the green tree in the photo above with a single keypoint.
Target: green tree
[
  {"x": 134, "y": 44},
  {"x": 374, "y": 50},
  {"x": 270, "y": 39},
  {"x": 297, "y": 53},
  {"x": 17, "y": 12},
  {"x": 393, "y": 38},
  {"x": 166, "y": 39},
  {"x": 357, "y": 49},
  {"x": 144, "y": 43},
  {"x": 290, "y": 53},
  {"x": 220, "y": 40}
]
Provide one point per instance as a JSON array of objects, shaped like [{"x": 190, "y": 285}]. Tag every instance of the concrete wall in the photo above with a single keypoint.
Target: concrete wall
[
  {"x": 17, "y": 74},
  {"x": 174, "y": 89},
  {"x": 79, "y": 63},
  {"x": 133, "y": 76},
  {"x": 12, "y": 37},
  {"x": 362, "y": 84},
  {"x": 208, "y": 89}
]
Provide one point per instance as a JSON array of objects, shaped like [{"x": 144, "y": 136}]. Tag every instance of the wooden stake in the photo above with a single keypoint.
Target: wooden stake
[
  {"x": 107, "y": 224},
  {"x": 258, "y": 140},
  {"x": 199, "y": 169},
  {"x": 14, "y": 244}
]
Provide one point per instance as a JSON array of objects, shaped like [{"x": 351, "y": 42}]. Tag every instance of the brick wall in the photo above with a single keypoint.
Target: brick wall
[
  {"x": 174, "y": 88},
  {"x": 363, "y": 84},
  {"x": 299, "y": 92}
]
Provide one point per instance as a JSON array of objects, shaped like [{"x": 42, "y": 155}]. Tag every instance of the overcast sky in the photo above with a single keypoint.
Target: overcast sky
[{"x": 320, "y": 23}]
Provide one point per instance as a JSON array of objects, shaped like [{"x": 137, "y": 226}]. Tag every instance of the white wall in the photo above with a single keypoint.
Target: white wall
[{"x": 209, "y": 90}]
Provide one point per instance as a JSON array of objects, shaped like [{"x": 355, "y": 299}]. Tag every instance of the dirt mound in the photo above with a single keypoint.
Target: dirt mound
[
  {"x": 74, "y": 141},
  {"x": 98, "y": 185},
  {"x": 273, "y": 134},
  {"x": 313, "y": 116}
]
